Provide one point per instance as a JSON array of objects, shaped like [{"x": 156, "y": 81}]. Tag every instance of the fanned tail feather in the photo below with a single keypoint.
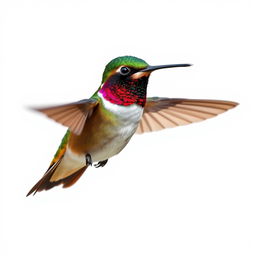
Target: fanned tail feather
[{"x": 45, "y": 182}]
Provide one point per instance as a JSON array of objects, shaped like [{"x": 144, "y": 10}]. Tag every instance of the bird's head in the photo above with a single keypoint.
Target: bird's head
[{"x": 125, "y": 79}]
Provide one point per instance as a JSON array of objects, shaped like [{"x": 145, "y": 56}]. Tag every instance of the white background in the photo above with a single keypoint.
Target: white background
[{"x": 184, "y": 191}]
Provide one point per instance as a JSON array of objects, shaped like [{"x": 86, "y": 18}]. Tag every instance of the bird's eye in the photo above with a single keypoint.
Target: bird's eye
[{"x": 124, "y": 71}]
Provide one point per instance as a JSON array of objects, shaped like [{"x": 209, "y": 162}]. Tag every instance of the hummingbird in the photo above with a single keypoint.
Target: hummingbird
[{"x": 101, "y": 126}]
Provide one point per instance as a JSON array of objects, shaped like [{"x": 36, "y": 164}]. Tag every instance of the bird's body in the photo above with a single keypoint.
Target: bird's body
[
  {"x": 101, "y": 126},
  {"x": 107, "y": 131}
]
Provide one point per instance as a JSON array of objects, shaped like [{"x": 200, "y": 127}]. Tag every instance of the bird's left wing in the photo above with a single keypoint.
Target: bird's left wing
[
  {"x": 72, "y": 115},
  {"x": 160, "y": 113}
]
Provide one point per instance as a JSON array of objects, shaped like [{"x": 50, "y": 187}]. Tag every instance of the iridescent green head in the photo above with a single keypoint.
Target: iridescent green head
[{"x": 127, "y": 61}]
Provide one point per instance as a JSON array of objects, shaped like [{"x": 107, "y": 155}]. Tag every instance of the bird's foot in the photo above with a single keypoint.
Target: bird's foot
[
  {"x": 101, "y": 163},
  {"x": 88, "y": 159}
]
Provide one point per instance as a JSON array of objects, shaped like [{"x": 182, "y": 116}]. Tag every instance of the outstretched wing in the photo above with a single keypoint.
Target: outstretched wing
[
  {"x": 72, "y": 115},
  {"x": 160, "y": 113}
]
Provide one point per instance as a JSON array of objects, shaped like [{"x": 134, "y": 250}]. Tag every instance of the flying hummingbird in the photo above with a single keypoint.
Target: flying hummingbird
[{"x": 101, "y": 126}]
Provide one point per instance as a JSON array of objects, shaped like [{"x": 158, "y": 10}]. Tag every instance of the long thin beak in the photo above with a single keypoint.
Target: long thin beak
[
  {"x": 152, "y": 68},
  {"x": 147, "y": 71}
]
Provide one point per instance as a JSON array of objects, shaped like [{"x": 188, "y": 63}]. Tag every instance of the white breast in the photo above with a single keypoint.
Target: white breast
[{"x": 127, "y": 114}]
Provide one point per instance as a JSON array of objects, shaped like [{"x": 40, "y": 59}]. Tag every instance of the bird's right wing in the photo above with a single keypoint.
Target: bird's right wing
[
  {"x": 72, "y": 115},
  {"x": 160, "y": 113}
]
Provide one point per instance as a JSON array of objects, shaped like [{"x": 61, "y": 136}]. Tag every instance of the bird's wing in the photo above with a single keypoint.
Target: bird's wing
[
  {"x": 72, "y": 115},
  {"x": 160, "y": 113}
]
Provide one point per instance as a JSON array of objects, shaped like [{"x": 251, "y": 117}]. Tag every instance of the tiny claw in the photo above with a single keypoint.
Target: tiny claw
[
  {"x": 101, "y": 163},
  {"x": 97, "y": 165}
]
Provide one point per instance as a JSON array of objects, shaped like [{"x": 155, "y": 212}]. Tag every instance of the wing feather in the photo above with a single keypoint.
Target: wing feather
[
  {"x": 72, "y": 115},
  {"x": 195, "y": 113},
  {"x": 156, "y": 121},
  {"x": 170, "y": 119},
  {"x": 146, "y": 126},
  {"x": 160, "y": 113},
  {"x": 179, "y": 118}
]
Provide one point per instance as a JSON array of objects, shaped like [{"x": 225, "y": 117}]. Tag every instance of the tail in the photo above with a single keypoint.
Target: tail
[
  {"x": 64, "y": 169},
  {"x": 46, "y": 182}
]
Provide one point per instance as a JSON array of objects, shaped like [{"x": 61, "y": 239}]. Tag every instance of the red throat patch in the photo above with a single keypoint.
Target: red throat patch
[{"x": 127, "y": 93}]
